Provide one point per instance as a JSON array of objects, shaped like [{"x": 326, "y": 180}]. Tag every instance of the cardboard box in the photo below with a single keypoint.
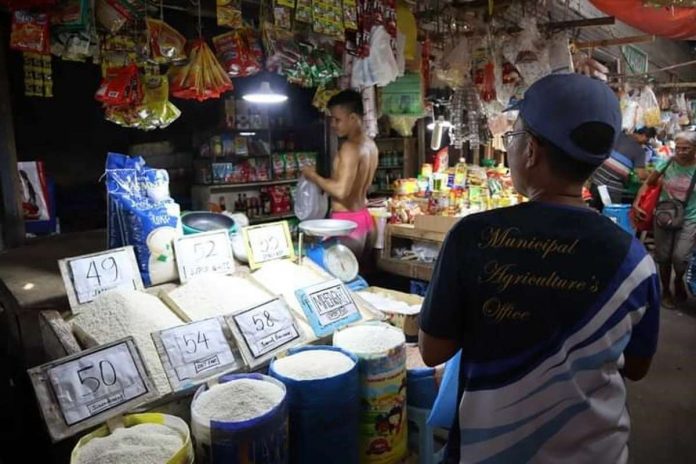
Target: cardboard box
[{"x": 435, "y": 223}]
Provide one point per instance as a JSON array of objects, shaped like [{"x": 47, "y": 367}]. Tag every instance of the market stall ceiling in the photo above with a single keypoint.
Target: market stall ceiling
[
  {"x": 670, "y": 22},
  {"x": 439, "y": 16}
]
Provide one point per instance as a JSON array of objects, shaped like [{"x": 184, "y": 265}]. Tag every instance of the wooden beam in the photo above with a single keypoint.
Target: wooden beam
[
  {"x": 678, "y": 85},
  {"x": 603, "y": 21},
  {"x": 655, "y": 71},
  {"x": 11, "y": 217},
  {"x": 615, "y": 42}
]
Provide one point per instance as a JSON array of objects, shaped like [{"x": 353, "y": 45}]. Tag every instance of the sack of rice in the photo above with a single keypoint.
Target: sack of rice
[
  {"x": 244, "y": 418},
  {"x": 149, "y": 438},
  {"x": 381, "y": 350},
  {"x": 323, "y": 396},
  {"x": 422, "y": 381}
]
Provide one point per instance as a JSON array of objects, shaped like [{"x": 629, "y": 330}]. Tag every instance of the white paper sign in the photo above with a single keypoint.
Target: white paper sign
[
  {"x": 328, "y": 306},
  {"x": 86, "y": 277},
  {"x": 97, "y": 382},
  {"x": 268, "y": 242},
  {"x": 266, "y": 328},
  {"x": 196, "y": 349},
  {"x": 205, "y": 253}
]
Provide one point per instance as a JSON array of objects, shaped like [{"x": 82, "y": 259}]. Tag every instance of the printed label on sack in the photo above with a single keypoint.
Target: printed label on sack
[
  {"x": 205, "y": 253},
  {"x": 94, "y": 383},
  {"x": 268, "y": 242},
  {"x": 86, "y": 277},
  {"x": 266, "y": 328},
  {"x": 328, "y": 306},
  {"x": 195, "y": 350}
]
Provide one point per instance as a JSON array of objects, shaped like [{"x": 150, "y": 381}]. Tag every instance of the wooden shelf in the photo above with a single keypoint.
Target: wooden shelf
[
  {"x": 271, "y": 218},
  {"x": 411, "y": 233},
  {"x": 410, "y": 269},
  {"x": 248, "y": 185}
]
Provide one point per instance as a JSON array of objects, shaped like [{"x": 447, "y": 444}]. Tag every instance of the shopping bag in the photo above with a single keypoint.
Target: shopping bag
[
  {"x": 647, "y": 202},
  {"x": 445, "y": 406}
]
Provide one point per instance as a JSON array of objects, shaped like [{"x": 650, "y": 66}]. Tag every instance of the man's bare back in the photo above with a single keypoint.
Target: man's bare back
[{"x": 363, "y": 159}]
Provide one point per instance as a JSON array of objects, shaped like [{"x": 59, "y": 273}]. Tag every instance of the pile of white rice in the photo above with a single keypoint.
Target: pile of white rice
[
  {"x": 214, "y": 295},
  {"x": 120, "y": 313},
  {"x": 237, "y": 400},
  {"x": 369, "y": 338},
  {"x": 313, "y": 365},
  {"x": 139, "y": 444}
]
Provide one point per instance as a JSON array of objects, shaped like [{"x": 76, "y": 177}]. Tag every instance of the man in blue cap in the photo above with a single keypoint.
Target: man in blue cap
[{"x": 550, "y": 303}]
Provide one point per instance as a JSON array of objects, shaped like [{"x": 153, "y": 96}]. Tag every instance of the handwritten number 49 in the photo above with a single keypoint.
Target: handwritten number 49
[{"x": 107, "y": 265}]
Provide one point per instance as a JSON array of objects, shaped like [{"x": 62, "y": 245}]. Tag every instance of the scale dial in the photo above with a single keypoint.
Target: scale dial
[{"x": 340, "y": 261}]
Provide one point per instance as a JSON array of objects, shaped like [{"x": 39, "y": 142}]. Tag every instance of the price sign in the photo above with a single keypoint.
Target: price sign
[
  {"x": 194, "y": 351},
  {"x": 328, "y": 306},
  {"x": 80, "y": 391},
  {"x": 88, "y": 276},
  {"x": 268, "y": 242},
  {"x": 263, "y": 330},
  {"x": 205, "y": 253}
]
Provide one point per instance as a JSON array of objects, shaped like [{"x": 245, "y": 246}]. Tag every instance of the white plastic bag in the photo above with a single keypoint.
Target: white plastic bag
[
  {"x": 310, "y": 201},
  {"x": 380, "y": 68}
]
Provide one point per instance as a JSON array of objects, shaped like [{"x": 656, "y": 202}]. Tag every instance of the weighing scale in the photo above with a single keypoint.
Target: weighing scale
[{"x": 325, "y": 250}]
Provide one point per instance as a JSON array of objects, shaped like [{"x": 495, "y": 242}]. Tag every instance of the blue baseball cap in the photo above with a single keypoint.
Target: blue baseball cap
[{"x": 555, "y": 105}]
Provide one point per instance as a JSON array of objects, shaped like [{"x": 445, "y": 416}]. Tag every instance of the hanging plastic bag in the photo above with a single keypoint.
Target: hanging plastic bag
[
  {"x": 455, "y": 67},
  {"x": 380, "y": 67},
  {"x": 650, "y": 108},
  {"x": 445, "y": 406},
  {"x": 310, "y": 201}
]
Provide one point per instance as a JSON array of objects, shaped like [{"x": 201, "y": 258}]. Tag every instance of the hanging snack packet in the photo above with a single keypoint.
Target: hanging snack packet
[
  {"x": 120, "y": 87},
  {"x": 202, "y": 77},
  {"x": 113, "y": 14},
  {"x": 30, "y": 32},
  {"x": 229, "y": 14},
  {"x": 166, "y": 43}
]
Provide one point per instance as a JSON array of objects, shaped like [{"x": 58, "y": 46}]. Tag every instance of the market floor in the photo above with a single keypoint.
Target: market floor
[{"x": 663, "y": 405}]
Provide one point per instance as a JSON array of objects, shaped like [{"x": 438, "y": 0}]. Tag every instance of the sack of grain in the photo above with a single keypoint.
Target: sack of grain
[
  {"x": 244, "y": 418},
  {"x": 323, "y": 396},
  {"x": 141, "y": 213},
  {"x": 149, "y": 438},
  {"x": 381, "y": 350}
]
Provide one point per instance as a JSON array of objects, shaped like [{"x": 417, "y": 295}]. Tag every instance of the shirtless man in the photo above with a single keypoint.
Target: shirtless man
[{"x": 353, "y": 170}]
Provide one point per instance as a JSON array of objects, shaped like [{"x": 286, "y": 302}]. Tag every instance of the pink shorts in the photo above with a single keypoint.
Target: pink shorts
[{"x": 362, "y": 218}]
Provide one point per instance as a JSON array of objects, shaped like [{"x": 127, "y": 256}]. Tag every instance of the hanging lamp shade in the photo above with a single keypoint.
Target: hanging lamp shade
[{"x": 677, "y": 23}]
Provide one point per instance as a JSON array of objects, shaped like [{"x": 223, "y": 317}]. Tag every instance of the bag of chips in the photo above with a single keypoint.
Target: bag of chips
[
  {"x": 166, "y": 43},
  {"x": 202, "y": 77},
  {"x": 30, "y": 32}
]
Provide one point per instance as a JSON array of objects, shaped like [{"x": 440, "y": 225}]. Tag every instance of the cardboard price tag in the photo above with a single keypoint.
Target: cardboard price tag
[
  {"x": 264, "y": 330},
  {"x": 86, "y": 277},
  {"x": 328, "y": 306},
  {"x": 268, "y": 242},
  {"x": 82, "y": 390},
  {"x": 204, "y": 253},
  {"x": 195, "y": 351}
]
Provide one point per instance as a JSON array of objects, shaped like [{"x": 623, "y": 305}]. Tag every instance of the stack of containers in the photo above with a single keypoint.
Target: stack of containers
[
  {"x": 382, "y": 366},
  {"x": 242, "y": 419},
  {"x": 323, "y": 396}
]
